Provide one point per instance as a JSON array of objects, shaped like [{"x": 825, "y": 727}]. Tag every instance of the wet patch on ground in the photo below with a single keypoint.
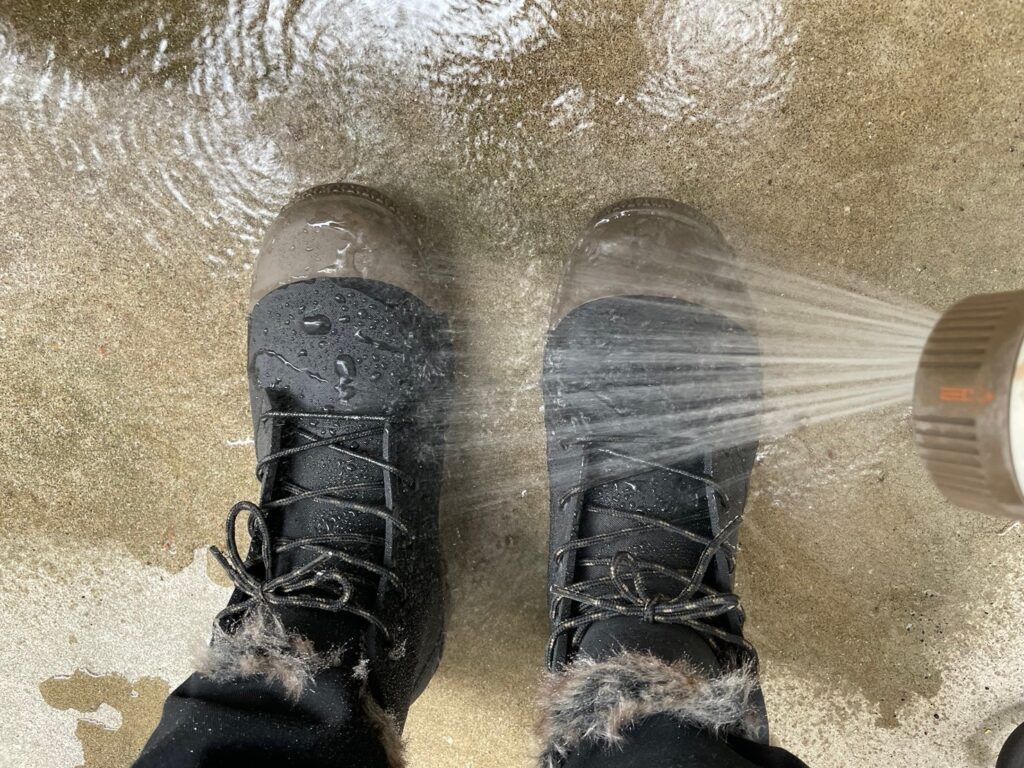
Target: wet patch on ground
[
  {"x": 878, "y": 141},
  {"x": 116, "y": 714}
]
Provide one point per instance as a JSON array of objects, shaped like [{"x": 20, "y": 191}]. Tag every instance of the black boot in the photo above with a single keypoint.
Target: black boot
[
  {"x": 647, "y": 499},
  {"x": 1011, "y": 755},
  {"x": 335, "y": 625}
]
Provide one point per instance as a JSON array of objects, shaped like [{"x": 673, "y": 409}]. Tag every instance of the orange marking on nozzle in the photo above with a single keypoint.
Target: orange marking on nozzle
[
  {"x": 956, "y": 394},
  {"x": 966, "y": 395}
]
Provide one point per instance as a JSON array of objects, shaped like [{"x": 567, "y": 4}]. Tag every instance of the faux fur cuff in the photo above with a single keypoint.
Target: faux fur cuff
[
  {"x": 388, "y": 731},
  {"x": 260, "y": 645},
  {"x": 596, "y": 701}
]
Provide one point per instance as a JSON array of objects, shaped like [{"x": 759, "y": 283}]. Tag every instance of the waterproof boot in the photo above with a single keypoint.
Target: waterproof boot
[
  {"x": 335, "y": 624},
  {"x": 1011, "y": 755},
  {"x": 647, "y": 492}
]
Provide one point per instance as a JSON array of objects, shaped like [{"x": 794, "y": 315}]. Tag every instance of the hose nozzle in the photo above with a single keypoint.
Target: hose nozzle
[{"x": 969, "y": 403}]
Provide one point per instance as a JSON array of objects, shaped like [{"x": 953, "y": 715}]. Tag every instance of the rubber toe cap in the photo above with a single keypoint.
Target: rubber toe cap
[{"x": 342, "y": 230}]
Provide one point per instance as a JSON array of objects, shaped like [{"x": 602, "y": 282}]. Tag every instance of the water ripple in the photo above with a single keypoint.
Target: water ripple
[
  {"x": 721, "y": 61},
  {"x": 270, "y": 95}
]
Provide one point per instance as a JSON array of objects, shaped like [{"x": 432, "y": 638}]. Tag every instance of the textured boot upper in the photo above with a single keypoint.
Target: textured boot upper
[
  {"x": 349, "y": 383},
  {"x": 637, "y": 501}
]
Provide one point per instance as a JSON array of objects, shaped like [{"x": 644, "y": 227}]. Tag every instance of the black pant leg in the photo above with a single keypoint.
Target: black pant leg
[
  {"x": 662, "y": 742},
  {"x": 252, "y": 723}
]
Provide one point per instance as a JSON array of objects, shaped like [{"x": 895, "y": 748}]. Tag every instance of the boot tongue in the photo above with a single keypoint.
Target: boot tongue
[
  {"x": 320, "y": 468},
  {"x": 338, "y": 634},
  {"x": 332, "y": 466},
  {"x": 669, "y": 642},
  {"x": 659, "y": 495}
]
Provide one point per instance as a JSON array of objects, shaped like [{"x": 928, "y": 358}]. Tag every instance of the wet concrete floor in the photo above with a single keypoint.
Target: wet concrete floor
[{"x": 145, "y": 145}]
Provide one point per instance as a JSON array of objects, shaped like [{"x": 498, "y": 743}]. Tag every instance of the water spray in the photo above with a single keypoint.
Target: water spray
[{"x": 969, "y": 403}]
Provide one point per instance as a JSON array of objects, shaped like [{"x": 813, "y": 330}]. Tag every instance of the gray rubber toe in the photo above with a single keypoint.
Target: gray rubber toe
[
  {"x": 650, "y": 247},
  {"x": 342, "y": 230}
]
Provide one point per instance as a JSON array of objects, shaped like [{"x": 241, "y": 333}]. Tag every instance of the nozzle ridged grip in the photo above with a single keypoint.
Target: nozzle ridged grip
[{"x": 962, "y": 402}]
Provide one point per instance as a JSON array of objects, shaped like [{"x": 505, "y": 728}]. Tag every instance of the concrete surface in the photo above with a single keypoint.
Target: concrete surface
[{"x": 143, "y": 147}]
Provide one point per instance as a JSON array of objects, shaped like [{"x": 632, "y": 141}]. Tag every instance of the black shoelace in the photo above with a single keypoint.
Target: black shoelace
[
  {"x": 624, "y": 590},
  {"x": 329, "y": 580}
]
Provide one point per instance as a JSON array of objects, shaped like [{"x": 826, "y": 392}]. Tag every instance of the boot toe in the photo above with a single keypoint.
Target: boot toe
[
  {"x": 342, "y": 230},
  {"x": 648, "y": 247}
]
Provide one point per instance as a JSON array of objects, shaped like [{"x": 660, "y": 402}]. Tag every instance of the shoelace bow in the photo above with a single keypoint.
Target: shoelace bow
[
  {"x": 624, "y": 590},
  {"x": 313, "y": 584}
]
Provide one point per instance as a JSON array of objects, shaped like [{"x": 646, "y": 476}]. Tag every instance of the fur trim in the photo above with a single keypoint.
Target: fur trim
[
  {"x": 260, "y": 645},
  {"x": 388, "y": 731},
  {"x": 596, "y": 701}
]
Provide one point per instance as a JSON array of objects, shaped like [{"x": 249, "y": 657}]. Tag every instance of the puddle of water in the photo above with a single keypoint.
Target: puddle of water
[{"x": 220, "y": 127}]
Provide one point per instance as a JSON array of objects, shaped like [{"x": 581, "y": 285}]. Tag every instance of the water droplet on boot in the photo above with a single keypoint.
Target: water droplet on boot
[
  {"x": 316, "y": 325},
  {"x": 375, "y": 343},
  {"x": 345, "y": 367}
]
